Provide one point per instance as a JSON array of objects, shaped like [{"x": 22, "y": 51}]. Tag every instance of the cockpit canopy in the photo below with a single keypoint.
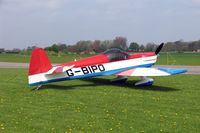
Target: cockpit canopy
[{"x": 115, "y": 54}]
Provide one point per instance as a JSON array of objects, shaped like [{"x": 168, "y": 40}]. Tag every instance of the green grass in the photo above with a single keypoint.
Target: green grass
[
  {"x": 53, "y": 58},
  {"x": 164, "y": 58},
  {"x": 96, "y": 105},
  {"x": 192, "y": 59}
]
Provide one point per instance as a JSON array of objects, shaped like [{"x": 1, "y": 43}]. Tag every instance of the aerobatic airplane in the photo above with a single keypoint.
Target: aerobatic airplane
[{"x": 112, "y": 62}]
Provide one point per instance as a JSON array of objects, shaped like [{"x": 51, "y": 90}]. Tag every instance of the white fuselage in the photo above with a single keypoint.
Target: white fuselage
[{"x": 109, "y": 68}]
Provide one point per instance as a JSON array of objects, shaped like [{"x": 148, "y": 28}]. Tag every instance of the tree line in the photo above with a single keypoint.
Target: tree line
[
  {"x": 98, "y": 46},
  {"x": 89, "y": 46}
]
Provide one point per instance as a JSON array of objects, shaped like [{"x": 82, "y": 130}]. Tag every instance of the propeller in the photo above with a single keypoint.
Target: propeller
[{"x": 159, "y": 48}]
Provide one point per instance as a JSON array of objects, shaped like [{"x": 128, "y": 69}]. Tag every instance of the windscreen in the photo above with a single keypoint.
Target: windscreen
[{"x": 115, "y": 54}]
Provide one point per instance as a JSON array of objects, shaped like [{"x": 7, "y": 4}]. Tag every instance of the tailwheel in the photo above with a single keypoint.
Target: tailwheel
[
  {"x": 119, "y": 79},
  {"x": 144, "y": 82}
]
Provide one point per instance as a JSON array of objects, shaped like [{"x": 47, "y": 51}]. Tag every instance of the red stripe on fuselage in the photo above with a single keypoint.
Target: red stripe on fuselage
[
  {"x": 97, "y": 59},
  {"x": 140, "y": 55},
  {"x": 101, "y": 59}
]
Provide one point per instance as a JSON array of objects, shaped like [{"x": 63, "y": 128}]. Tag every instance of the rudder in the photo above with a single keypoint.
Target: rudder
[{"x": 39, "y": 62}]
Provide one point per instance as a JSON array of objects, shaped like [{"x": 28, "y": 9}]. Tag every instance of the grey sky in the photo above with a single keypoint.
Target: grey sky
[{"x": 44, "y": 22}]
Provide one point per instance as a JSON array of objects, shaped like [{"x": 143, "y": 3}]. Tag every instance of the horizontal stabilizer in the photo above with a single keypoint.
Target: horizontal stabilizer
[{"x": 151, "y": 72}]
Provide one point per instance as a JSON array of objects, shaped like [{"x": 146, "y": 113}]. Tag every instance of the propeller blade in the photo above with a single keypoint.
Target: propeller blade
[{"x": 159, "y": 48}]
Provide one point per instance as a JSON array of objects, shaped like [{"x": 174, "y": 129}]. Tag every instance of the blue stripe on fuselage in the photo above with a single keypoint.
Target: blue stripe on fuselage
[{"x": 103, "y": 73}]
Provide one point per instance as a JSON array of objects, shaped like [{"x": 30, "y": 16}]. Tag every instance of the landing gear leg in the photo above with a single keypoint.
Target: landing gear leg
[
  {"x": 144, "y": 81},
  {"x": 37, "y": 88},
  {"x": 119, "y": 79}
]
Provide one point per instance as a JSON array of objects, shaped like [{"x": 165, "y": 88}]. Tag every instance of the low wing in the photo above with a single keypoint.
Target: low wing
[{"x": 151, "y": 72}]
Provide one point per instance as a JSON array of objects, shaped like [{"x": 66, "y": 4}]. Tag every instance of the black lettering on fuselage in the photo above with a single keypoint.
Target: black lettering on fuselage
[
  {"x": 70, "y": 72},
  {"x": 89, "y": 68},
  {"x": 92, "y": 69},
  {"x": 85, "y": 70},
  {"x": 101, "y": 67}
]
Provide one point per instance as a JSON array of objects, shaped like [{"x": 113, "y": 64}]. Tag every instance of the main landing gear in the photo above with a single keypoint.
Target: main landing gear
[
  {"x": 144, "y": 82},
  {"x": 119, "y": 79}
]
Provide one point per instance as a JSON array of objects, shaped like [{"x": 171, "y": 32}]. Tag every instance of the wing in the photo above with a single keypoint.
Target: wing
[{"x": 151, "y": 72}]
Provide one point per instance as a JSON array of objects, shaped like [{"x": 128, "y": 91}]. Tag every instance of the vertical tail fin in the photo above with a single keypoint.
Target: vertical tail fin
[{"x": 39, "y": 62}]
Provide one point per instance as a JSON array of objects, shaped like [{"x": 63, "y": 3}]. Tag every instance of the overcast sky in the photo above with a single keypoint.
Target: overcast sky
[{"x": 44, "y": 22}]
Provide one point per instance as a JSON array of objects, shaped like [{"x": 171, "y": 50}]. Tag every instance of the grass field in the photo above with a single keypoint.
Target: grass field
[
  {"x": 53, "y": 58},
  {"x": 96, "y": 105},
  {"x": 179, "y": 59},
  {"x": 164, "y": 58}
]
